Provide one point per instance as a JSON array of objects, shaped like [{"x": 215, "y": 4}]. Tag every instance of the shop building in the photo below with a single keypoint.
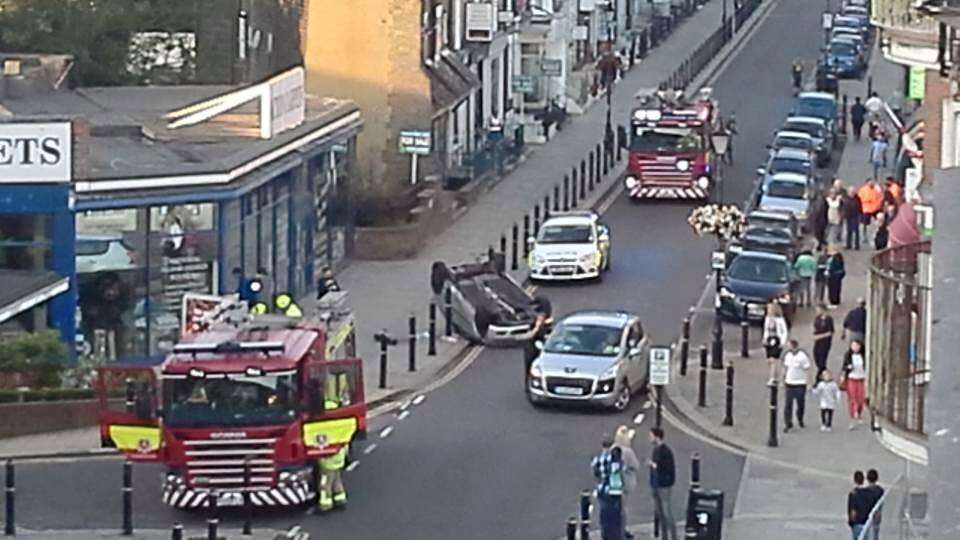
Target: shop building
[{"x": 177, "y": 190}]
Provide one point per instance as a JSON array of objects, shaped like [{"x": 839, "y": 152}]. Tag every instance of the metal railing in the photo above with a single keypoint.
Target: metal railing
[
  {"x": 898, "y": 334},
  {"x": 901, "y": 512}
]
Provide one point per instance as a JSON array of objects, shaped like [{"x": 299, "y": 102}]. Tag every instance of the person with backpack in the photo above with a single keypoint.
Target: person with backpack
[{"x": 609, "y": 471}]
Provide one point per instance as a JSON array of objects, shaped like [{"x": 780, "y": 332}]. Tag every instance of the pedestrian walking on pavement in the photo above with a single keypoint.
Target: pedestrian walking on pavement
[
  {"x": 878, "y": 154},
  {"x": 731, "y": 126},
  {"x": 871, "y": 202},
  {"x": 796, "y": 365},
  {"x": 775, "y": 334},
  {"x": 855, "y": 381},
  {"x": 829, "y": 393},
  {"x": 623, "y": 439},
  {"x": 874, "y": 496},
  {"x": 835, "y": 272},
  {"x": 857, "y": 509},
  {"x": 853, "y": 215},
  {"x": 806, "y": 268},
  {"x": 662, "y": 477},
  {"x": 820, "y": 279},
  {"x": 858, "y": 114},
  {"x": 855, "y": 323},
  {"x": 834, "y": 202},
  {"x": 608, "y": 471},
  {"x": 818, "y": 221},
  {"x": 873, "y": 105},
  {"x": 822, "y": 339}
]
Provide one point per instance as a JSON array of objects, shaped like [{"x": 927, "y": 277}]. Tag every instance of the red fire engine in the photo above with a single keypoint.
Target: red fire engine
[
  {"x": 243, "y": 404},
  {"x": 670, "y": 154}
]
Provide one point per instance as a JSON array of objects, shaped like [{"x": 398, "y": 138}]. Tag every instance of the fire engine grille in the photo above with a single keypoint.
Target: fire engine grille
[
  {"x": 219, "y": 464},
  {"x": 663, "y": 173}
]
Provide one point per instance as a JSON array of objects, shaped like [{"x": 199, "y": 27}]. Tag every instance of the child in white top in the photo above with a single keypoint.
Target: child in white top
[{"x": 829, "y": 394}]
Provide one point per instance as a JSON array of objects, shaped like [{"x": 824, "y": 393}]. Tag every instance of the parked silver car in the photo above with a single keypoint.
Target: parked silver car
[{"x": 591, "y": 357}]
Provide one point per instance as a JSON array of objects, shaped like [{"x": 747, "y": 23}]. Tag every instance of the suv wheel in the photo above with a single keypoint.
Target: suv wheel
[{"x": 623, "y": 398}]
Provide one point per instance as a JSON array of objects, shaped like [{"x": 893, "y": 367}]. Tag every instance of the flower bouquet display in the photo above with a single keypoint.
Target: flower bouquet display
[{"x": 723, "y": 221}]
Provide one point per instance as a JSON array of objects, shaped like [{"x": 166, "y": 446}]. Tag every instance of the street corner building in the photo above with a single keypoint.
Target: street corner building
[{"x": 116, "y": 201}]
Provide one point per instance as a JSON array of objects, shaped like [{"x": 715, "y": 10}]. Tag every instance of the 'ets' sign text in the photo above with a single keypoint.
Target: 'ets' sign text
[{"x": 35, "y": 153}]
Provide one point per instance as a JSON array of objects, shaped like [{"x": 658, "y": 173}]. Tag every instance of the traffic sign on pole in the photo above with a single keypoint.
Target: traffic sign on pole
[{"x": 659, "y": 366}]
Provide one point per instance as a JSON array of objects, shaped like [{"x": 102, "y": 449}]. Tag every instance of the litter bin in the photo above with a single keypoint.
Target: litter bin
[{"x": 704, "y": 514}]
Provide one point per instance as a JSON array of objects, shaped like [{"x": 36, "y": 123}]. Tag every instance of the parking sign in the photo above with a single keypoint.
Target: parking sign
[{"x": 659, "y": 366}]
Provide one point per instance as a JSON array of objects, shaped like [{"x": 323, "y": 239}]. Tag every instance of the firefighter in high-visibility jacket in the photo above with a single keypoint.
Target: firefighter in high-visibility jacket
[{"x": 331, "y": 492}]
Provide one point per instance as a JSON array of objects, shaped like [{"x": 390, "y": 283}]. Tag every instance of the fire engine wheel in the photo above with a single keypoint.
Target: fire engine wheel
[{"x": 439, "y": 274}]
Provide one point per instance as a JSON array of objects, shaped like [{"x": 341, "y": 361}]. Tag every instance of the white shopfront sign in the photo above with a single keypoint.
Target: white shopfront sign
[{"x": 33, "y": 153}]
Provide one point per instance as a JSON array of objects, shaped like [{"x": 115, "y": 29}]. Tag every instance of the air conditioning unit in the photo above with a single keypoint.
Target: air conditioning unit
[{"x": 481, "y": 18}]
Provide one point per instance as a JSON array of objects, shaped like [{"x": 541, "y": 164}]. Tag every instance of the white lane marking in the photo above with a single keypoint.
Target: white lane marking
[
  {"x": 353, "y": 465},
  {"x": 638, "y": 419},
  {"x": 419, "y": 399},
  {"x": 631, "y": 434},
  {"x": 385, "y": 432},
  {"x": 405, "y": 405},
  {"x": 370, "y": 448},
  {"x": 403, "y": 414},
  {"x": 647, "y": 404}
]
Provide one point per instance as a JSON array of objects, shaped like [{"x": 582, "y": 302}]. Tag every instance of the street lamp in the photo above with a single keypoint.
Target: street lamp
[{"x": 720, "y": 140}]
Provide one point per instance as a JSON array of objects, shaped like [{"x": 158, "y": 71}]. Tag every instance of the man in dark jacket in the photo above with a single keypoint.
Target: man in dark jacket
[
  {"x": 858, "y": 114},
  {"x": 855, "y": 323},
  {"x": 852, "y": 216},
  {"x": 858, "y": 505},
  {"x": 818, "y": 221},
  {"x": 874, "y": 495},
  {"x": 662, "y": 477},
  {"x": 530, "y": 348}
]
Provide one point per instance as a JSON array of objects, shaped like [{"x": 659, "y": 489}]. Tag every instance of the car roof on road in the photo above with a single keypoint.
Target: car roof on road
[
  {"x": 612, "y": 319},
  {"x": 794, "y": 134},
  {"x": 762, "y": 255},
  {"x": 771, "y": 214},
  {"x": 806, "y": 120},
  {"x": 816, "y": 95},
  {"x": 792, "y": 153},
  {"x": 570, "y": 219},
  {"x": 789, "y": 177}
]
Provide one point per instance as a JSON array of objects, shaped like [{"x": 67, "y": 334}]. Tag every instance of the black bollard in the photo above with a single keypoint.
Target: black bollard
[
  {"x": 546, "y": 206},
  {"x": 9, "y": 494},
  {"x": 448, "y": 313},
  {"x": 583, "y": 178},
  {"x": 503, "y": 244},
  {"x": 695, "y": 470},
  {"x": 566, "y": 193},
  {"x": 515, "y": 232},
  {"x": 620, "y": 132},
  {"x": 599, "y": 177},
  {"x": 176, "y": 533},
  {"x": 702, "y": 386},
  {"x": 717, "y": 356},
  {"x": 432, "y": 330},
  {"x": 744, "y": 339},
  {"x": 572, "y": 528},
  {"x": 685, "y": 346},
  {"x": 728, "y": 402},
  {"x": 556, "y": 198},
  {"x": 592, "y": 171},
  {"x": 536, "y": 219},
  {"x": 659, "y": 416},
  {"x": 870, "y": 86},
  {"x": 127, "y": 499},
  {"x": 573, "y": 187},
  {"x": 526, "y": 235},
  {"x": 412, "y": 345},
  {"x": 585, "y": 513},
  {"x": 772, "y": 439},
  {"x": 606, "y": 159},
  {"x": 383, "y": 360},
  {"x": 212, "y": 525},
  {"x": 247, "y": 503}
]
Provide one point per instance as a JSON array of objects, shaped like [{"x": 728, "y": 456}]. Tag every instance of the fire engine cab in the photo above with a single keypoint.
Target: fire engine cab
[
  {"x": 243, "y": 407},
  {"x": 670, "y": 154}
]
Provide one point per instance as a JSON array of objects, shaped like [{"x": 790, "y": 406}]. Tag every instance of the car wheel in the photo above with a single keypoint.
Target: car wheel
[
  {"x": 606, "y": 262},
  {"x": 532, "y": 400},
  {"x": 439, "y": 274},
  {"x": 623, "y": 398}
]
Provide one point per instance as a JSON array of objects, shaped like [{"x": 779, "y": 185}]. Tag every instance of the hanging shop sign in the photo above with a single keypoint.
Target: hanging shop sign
[{"x": 33, "y": 153}]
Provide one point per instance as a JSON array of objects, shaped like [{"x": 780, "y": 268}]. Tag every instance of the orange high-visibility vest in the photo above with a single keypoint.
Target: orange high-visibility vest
[{"x": 871, "y": 199}]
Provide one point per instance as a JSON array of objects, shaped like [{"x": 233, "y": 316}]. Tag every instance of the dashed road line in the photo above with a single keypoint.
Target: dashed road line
[
  {"x": 370, "y": 448},
  {"x": 385, "y": 432},
  {"x": 419, "y": 399},
  {"x": 638, "y": 419},
  {"x": 403, "y": 414},
  {"x": 353, "y": 465}
]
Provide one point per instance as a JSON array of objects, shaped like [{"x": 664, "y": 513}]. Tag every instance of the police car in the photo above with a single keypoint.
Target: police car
[{"x": 570, "y": 246}]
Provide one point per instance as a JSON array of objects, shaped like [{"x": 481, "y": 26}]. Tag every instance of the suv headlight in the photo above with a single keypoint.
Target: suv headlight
[
  {"x": 631, "y": 182},
  {"x": 606, "y": 386},
  {"x": 536, "y": 370},
  {"x": 588, "y": 258},
  {"x": 537, "y": 259},
  {"x": 610, "y": 373}
]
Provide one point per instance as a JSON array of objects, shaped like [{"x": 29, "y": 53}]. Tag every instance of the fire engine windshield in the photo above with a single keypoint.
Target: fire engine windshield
[
  {"x": 665, "y": 139},
  {"x": 237, "y": 400}
]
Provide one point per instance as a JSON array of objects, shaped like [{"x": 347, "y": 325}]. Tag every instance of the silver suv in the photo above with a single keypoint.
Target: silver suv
[{"x": 591, "y": 357}]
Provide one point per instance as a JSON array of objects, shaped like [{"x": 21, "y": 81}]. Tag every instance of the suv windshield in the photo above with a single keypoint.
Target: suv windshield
[
  {"x": 843, "y": 48},
  {"x": 237, "y": 400},
  {"x": 758, "y": 269},
  {"x": 807, "y": 127},
  {"x": 792, "y": 142},
  {"x": 584, "y": 339},
  {"x": 647, "y": 139},
  {"x": 786, "y": 190},
  {"x": 766, "y": 233},
  {"x": 566, "y": 234},
  {"x": 780, "y": 165},
  {"x": 816, "y": 107}
]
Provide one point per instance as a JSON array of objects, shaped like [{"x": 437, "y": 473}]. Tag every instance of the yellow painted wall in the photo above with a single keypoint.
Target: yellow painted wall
[{"x": 369, "y": 51}]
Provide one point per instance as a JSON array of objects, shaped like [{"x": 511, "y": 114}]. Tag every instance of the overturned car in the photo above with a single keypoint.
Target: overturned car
[{"x": 487, "y": 305}]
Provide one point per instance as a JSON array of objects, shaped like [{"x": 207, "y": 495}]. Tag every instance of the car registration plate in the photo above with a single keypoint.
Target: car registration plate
[
  {"x": 569, "y": 390},
  {"x": 562, "y": 269},
  {"x": 755, "y": 310}
]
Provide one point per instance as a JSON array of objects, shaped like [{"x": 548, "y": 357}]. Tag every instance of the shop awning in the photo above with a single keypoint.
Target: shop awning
[
  {"x": 903, "y": 229},
  {"x": 451, "y": 82},
  {"x": 23, "y": 290}
]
